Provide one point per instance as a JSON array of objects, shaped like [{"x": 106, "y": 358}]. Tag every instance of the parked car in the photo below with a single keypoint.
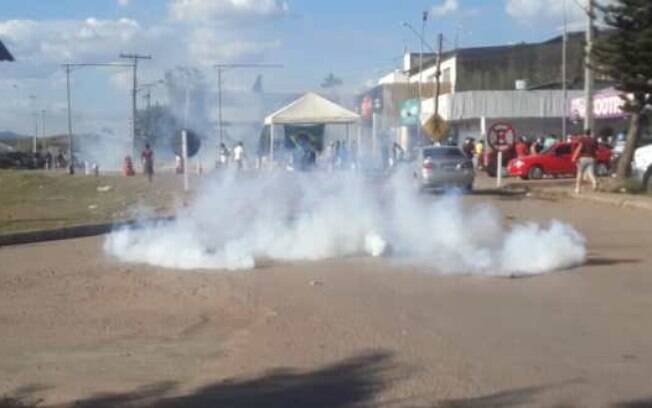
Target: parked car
[
  {"x": 642, "y": 166},
  {"x": 17, "y": 160},
  {"x": 490, "y": 160},
  {"x": 619, "y": 147},
  {"x": 556, "y": 161},
  {"x": 443, "y": 166}
]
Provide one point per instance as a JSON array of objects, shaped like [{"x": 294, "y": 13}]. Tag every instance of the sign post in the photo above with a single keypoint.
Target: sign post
[
  {"x": 499, "y": 169},
  {"x": 184, "y": 155}
]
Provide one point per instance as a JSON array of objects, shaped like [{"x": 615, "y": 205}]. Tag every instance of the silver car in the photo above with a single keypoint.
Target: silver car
[{"x": 440, "y": 167}]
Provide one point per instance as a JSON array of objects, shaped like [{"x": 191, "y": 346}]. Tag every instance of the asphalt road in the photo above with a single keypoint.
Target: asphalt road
[{"x": 81, "y": 329}]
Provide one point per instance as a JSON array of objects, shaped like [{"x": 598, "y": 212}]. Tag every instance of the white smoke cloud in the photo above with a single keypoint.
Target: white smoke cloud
[
  {"x": 238, "y": 221},
  {"x": 446, "y": 7}
]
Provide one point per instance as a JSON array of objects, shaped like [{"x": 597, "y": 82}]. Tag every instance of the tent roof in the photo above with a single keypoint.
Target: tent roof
[{"x": 312, "y": 108}]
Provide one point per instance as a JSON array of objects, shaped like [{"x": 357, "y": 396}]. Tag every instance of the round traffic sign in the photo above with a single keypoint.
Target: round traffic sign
[
  {"x": 501, "y": 136},
  {"x": 194, "y": 143}
]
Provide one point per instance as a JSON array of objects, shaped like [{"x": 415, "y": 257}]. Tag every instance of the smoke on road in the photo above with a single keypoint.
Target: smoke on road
[{"x": 237, "y": 221}]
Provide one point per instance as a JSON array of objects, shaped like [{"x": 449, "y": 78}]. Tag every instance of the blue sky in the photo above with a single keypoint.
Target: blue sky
[{"x": 357, "y": 40}]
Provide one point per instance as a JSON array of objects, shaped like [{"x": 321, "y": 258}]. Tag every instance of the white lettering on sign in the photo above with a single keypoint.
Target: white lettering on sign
[{"x": 604, "y": 106}]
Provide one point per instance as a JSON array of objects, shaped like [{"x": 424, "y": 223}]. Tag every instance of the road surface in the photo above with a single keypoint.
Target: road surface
[{"x": 79, "y": 328}]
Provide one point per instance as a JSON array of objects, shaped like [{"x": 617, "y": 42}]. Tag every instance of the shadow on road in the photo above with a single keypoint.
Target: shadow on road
[
  {"x": 642, "y": 403},
  {"x": 510, "y": 398},
  {"x": 353, "y": 382},
  {"x": 598, "y": 261}
]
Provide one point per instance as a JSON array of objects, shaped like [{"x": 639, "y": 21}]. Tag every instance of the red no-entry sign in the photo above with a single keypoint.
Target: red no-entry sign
[{"x": 501, "y": 136}]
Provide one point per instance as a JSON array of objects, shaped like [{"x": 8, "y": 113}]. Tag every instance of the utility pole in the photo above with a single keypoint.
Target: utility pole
[
  {"x": 68, "y": 69},
  {"x": 424, "y": 20},
  {"x": 440, "y": 46},
  {"x": 134, "y": 102},
  {"x": 43, "y": 123},
  {"x": 588, "y": 69},
  {"x": 220, "y": 70},
  {"x": 71, "y": 165},
  {"x": 564, "y": 75},
  {"x": 32, "y": 100}
]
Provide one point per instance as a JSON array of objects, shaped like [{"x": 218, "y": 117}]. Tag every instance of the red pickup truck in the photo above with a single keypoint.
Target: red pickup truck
[{"x": 557, "y": 160}]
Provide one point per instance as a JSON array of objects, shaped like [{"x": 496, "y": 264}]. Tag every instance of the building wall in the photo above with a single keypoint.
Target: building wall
[
  {"x": 539, "y": 64},
  {"x": 449, "y": 64}
]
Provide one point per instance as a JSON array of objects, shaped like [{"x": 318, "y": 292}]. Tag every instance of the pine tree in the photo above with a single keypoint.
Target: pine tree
[{"x": 625, "y": 56}]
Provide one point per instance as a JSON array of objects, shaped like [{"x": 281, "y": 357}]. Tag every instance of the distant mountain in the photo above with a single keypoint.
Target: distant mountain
[{"x": 8, "y": 135}]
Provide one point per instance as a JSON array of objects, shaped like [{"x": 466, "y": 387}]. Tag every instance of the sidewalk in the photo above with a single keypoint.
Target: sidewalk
[
  {"x": 623, "y": 200},
  {"x": 565, "y": 188}
]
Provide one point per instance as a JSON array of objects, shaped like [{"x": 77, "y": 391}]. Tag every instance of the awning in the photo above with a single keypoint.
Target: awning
[{"x": 312, "y": 109}]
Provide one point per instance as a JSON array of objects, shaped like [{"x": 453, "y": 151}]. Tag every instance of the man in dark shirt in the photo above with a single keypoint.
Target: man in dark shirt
[{"x": 147, "y": 157}]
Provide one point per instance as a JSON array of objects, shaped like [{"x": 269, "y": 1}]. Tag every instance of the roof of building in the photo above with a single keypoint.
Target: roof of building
[{"x": 490, "y": 51}]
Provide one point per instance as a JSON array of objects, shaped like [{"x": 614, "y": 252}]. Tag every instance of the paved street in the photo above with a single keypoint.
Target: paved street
[{"x": 79, "y": 327}]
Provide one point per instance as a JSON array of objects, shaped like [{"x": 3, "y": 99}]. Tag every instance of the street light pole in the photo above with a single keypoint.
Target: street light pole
[{"x": 219, "y": 105}]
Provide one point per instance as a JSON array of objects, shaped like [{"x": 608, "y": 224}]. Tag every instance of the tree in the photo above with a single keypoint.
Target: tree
[{"x": 625, "y": 56}]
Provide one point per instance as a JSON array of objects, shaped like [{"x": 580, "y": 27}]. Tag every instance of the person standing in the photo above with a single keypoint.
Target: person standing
[
  {"x": 239, "y": 155},
  {"x": 522, "y": 148},
  {"x": 584, "y": 156},
  {"x": 538, "y": 146},
  {"x": 478, "y": 154},
  {"x": 147, "y": 158},
  {"x": 223, "y": 156}
]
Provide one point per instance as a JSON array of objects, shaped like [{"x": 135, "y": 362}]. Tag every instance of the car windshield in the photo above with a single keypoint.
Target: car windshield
[{"x": 443, "y": 153}]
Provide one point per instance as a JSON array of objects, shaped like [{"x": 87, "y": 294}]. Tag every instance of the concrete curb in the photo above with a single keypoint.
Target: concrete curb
[
  {"x": 611, "y": 199},
  {"x": 77, "y": 231}
]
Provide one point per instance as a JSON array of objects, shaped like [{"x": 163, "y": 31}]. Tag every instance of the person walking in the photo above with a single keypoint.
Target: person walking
[
  {"x": 147, "y": 158},
  {"x": 584, "y": 156},
  {"x": 239, "y": 155}
]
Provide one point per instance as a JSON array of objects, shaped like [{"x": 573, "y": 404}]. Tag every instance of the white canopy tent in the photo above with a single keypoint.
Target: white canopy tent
[{"x": 310, "y": 109}]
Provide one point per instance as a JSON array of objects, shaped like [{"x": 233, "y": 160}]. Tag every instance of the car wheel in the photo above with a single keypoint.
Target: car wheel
[
  {"x": 601, "y": 170},
  {"x": 535, "y": 173}
]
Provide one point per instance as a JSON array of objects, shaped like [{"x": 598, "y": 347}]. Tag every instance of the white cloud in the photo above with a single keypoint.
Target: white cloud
[
  {"x": 545, "y": 12},
  {"x": 203, "y": 10},
  {"x": 446, "y": 7},
  {"x": 207, "y": 47},
  {"x": 123, "y": 3},
  {"x": 41, "y": 42}
]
